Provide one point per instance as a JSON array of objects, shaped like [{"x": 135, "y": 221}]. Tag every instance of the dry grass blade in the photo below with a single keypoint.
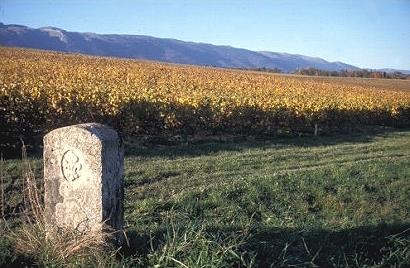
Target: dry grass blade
[
  {"x": 71, "y": 243},
  {"x": 28, "y": 240},
  {"x": 31, "y": 189},
  {"x": 3, "y": 216}
]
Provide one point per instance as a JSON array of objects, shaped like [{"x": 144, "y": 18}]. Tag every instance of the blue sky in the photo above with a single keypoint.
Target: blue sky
[{"x": 366, "y": 33}]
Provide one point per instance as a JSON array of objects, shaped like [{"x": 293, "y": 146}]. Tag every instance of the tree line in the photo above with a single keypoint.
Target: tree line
[{"x": 362, "y": 73}]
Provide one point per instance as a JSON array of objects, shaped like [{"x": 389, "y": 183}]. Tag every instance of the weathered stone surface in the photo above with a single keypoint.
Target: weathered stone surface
[{"x": 84, "y": 178}]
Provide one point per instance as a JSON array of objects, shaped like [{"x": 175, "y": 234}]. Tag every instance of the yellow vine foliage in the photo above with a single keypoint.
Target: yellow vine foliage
[{"x": 42, "y": 90}]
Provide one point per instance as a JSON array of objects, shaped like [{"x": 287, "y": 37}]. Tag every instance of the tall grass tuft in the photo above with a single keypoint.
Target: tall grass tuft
[
  {"x": 399, "y": 250},
  {"x": 36, "y": 242},
  {"x": 191, "y": 243}
]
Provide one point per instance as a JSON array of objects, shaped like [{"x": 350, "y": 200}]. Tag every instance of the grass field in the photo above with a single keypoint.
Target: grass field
[{"x": 340, "y": 201}]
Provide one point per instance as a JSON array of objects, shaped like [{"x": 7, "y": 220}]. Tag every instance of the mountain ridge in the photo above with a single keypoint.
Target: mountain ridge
[{"x": 159, "y": 49}]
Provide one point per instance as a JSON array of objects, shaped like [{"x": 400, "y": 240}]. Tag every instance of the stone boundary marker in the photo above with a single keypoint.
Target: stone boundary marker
[{"x": 84, "y": 178}]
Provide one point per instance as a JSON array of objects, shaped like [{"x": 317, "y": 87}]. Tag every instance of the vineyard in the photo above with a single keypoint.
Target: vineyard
[{"x": 42, "y": 90}]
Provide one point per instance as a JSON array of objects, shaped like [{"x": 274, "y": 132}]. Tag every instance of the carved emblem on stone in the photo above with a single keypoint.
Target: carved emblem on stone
[
  {"x": 70, "y": 166},
  {"x": 84, "y": 178}
]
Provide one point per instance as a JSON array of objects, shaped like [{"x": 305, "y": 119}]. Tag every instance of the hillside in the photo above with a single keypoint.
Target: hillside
[{"x": 158, "y": 49}]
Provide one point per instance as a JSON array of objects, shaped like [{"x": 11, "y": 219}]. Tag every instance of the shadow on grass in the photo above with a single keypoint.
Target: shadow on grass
[
  {"x": 10, "y": 146},
  {"x": 383, "y": 245},
  {"x": 178, "y": 146}
]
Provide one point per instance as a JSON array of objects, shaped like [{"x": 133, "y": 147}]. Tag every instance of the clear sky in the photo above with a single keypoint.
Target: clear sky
[{"x": 366, "y": 33}]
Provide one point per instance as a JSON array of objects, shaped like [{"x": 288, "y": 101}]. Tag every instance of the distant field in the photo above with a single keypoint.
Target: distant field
[
  {"x": 43, "y": 90},
  {"x": 391, "y": 84}
]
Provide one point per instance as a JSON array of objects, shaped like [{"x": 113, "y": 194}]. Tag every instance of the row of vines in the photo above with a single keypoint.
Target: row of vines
[{"x": 40, "y": 91}]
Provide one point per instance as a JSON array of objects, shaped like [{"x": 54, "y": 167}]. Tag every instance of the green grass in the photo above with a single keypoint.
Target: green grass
[{"x": 340, "y": 201}]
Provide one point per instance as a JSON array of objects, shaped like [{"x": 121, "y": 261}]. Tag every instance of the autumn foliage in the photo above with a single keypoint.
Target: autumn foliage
[{"x": 42, "y": 90}]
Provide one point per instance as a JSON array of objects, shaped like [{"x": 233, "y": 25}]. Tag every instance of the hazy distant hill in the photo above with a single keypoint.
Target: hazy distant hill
[{"x": 158, "y": 49}]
